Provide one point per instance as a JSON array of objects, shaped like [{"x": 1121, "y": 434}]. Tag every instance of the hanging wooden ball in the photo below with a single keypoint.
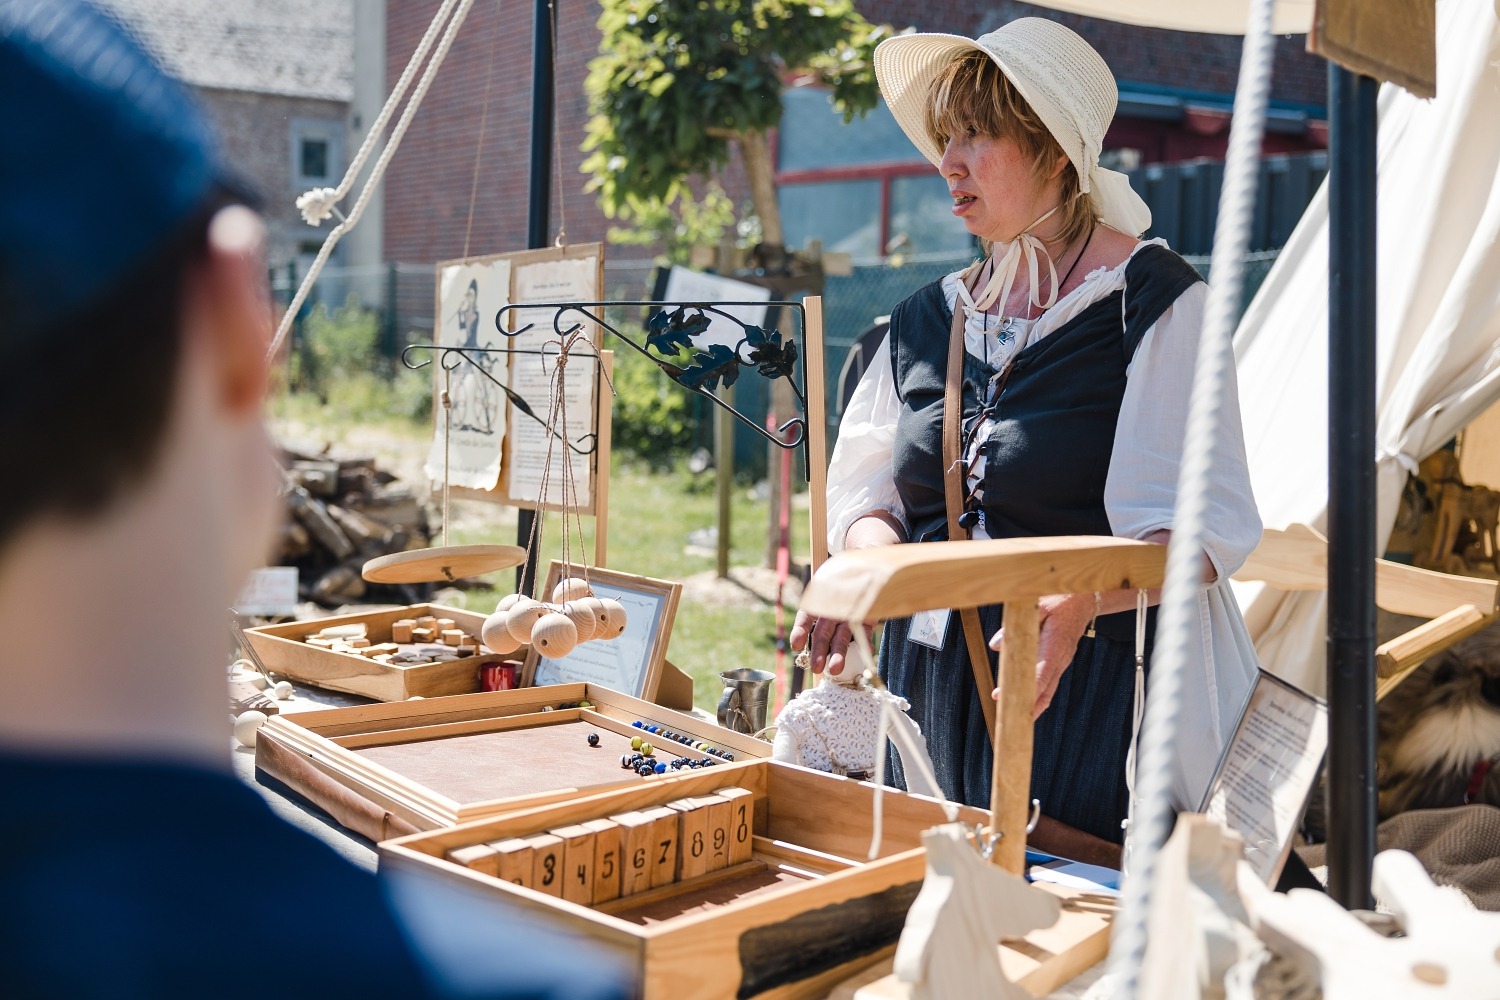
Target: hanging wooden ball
[
  {"x": 521, "y": 618},
  {"x": 248, "y": 725},
  {"x": 583, "y": 618},
  {"x": 554, "y": 635},
  {"x": 614, "y": 619},
  {"x": 496, "y": 635},
  {"x": 507, "y": 602},
  {"x": 283, "y": 690},
  {"x": 571, "y": 588}
]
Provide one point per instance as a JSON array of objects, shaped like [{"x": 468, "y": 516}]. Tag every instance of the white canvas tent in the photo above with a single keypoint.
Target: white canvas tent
[{"x": 1438, "y": 327}]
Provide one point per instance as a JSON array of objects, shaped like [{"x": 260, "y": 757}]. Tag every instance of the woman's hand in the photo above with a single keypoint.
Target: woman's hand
[
  {"x": 827, "y": 641},
  {"x": 1062, "y": 621}
]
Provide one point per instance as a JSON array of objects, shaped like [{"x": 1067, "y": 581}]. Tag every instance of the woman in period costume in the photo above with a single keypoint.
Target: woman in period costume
[{"x": 1079, "y": 341}]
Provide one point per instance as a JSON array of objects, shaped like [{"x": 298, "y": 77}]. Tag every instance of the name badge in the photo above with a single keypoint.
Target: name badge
[{"x": 930, "y": 628}]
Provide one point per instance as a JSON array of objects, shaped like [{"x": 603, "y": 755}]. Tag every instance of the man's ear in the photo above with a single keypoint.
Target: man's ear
[{"x": 237, "y": 307}]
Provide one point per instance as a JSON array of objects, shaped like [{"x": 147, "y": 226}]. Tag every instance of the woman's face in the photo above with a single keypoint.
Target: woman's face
[{"x": 994, "y": 189}]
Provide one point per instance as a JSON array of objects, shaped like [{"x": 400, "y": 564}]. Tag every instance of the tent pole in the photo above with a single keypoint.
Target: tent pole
[
  {"x": 1351, "y": 487},
  {"x": 538, "y": 212}
]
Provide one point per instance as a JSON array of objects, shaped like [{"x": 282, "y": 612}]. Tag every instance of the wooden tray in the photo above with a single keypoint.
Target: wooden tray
[
  {"x": 388, "y": 769},
  {"x": 282, "y": 650},
  {"x": 802, "y": 915}
]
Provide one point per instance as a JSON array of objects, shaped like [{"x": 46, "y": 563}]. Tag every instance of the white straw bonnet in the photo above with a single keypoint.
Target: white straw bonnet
[{"x": 1059, "y": 74}]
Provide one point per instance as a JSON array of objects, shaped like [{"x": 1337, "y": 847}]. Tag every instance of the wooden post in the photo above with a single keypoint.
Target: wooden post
[
  {"x": 817, "y": 430},
  {"x": 1010, "y": 780},
  {"x": 724, "y": 475},
  {"x": 603, "y": 441}
]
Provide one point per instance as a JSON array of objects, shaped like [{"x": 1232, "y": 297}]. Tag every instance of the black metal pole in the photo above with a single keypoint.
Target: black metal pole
[
  {"x": 538, "y": 210},
  {"x": 1351, "y": 487}
]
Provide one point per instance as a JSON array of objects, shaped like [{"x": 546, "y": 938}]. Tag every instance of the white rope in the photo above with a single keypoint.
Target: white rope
[
  {"x": 1137, "y": 716},
  {"x": 1183, "y": 588},
  {"x": 317, "y": 204},
  {"x": 378, "y": 171}
]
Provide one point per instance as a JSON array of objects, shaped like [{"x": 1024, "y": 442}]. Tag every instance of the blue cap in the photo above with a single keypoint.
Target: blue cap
[{"x": 102, "y": 158}]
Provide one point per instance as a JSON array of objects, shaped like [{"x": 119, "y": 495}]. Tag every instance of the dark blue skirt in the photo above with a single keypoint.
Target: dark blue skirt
[{"x": 1078, "y": 745}]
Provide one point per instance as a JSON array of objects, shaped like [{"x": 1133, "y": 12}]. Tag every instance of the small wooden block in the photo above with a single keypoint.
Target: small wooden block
[
  {"x": 547, "y": 863},
  {"x": 401, "y": 631},
  {"x": 692, "y": 838},
  {"x": 608, "y": 838},
  {"x": 467, "y": 650},
  {"x": 420, "y": 634},
  {"x": 381, "y": 658},
  {"x": 355, "y": 631},
  {"x": 513, "y": 861},
  {"x": 717, "y": 831},
  {"x": 480, "y": 857},
  {"x": 741, "y": 822},
  {"x": 319, "y": 641},
  {"x": 358, "y": 642},
  {"x": 443, "y": 624},
  {"x": 663, "y": 844},
  {"x": 578, "y": 863},
  {"x": 427, "y": 621},
  {"x": 635, "y": 851},
  {"x": 453, "y": 637}
]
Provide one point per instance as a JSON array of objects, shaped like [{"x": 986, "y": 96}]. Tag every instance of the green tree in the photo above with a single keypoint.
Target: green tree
[{"x": 677, "y": 81}]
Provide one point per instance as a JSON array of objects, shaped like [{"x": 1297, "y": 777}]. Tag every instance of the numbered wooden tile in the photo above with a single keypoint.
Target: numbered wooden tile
[
  {"x": 692, "y": 837},
  {"x": 478, "y": 857},
  {"x": 514, "y": 861},
  {"x": 578, "y": 863},
  {"x": 665, "y": 845},
  {"x": 635, "y": 851},
  {"x": 741, "y": 823},
  {"x": 547, "y": 864},
  {"x": 716, "y": 829},
  {"x": 608, "y": 840}
]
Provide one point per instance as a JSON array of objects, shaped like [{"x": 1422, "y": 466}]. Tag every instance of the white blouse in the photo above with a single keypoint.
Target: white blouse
[{"x": 1140, "y": 487}]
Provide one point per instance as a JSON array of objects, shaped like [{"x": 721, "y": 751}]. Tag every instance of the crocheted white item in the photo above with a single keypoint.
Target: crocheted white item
[{"x": 832, "y": 727}]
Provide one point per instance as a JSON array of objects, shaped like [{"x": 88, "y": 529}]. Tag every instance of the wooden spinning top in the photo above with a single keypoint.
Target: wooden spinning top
[{"x": 444, "y": 564}]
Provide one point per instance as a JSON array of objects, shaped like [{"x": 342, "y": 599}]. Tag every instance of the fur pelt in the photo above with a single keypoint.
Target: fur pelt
[{"x": 1438, "y": 724}]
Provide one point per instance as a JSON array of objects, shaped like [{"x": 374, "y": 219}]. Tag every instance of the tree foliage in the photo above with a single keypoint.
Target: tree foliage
[{"x": 677, "y": 80}]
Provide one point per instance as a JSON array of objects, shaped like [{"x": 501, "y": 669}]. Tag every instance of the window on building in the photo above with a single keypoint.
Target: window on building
[
  {"x": 861, "y": 188},
  {"x": 317, "y": 152},
  {"x": 314, "y": 157}
]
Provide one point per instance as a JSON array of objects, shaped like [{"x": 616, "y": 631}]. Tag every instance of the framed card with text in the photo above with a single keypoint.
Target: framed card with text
[{"x": 631, "y": 663}]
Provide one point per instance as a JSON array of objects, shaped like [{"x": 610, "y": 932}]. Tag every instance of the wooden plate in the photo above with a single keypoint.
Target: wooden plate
[{"x": 442, "y": 565}]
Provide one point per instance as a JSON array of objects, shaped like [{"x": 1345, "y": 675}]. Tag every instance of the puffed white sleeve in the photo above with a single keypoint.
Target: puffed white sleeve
[
  {"x": 859, "y": 475},
  {"x": 1140, "y": 491}
]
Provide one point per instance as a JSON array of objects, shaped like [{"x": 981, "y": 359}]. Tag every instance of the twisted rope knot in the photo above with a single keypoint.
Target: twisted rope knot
[{"x": 317, "y": 204}]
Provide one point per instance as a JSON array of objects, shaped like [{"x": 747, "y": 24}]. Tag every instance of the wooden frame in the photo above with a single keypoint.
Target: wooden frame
[
  {"x": 318, "y": 754},
  {"x": 837, "y": 913},
  {"x": 282, "y": 650},
  {"x": 603, "y": 410},
  {"x": 1297, "y": 559},
  {"x": 662, "y": 595}
]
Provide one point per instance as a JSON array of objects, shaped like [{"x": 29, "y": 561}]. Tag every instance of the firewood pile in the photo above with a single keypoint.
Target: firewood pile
[{"x": 341, "y": 512}]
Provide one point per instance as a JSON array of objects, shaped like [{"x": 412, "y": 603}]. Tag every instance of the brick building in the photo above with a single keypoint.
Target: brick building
[
  {"x": 276, "y": 77},
  {"x": 852, "y": 187}
]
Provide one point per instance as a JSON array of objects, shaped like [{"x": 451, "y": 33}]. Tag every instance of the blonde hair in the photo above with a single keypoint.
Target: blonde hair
[{"x": 972, "y": 92}]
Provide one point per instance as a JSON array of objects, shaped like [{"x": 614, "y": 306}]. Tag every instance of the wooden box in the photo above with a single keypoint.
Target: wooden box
[
  {"x": 384, "y": 770},
  {"x": 804, "y": 913},
  {"x": 282, "y": 650}
]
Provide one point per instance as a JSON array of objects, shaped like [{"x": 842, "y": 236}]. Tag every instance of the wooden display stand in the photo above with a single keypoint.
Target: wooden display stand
[
  {"x": 875, "y": 584},
  {"x": 383, "y": 770},
  {"x": 801, "y": 914},
  {"x": 281, "y": 649}
]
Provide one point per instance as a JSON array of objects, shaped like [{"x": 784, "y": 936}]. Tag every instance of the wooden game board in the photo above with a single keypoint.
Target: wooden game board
[
  {"x": 797, "y": 911},
  {"x": 388, "y": 769}
]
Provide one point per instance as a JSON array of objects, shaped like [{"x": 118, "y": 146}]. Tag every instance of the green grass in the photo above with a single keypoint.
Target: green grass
[{"x": 651, "y": 515}]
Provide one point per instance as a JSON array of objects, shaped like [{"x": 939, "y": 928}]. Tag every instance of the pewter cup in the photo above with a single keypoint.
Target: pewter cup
[{"x": 742, "y": 707}]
